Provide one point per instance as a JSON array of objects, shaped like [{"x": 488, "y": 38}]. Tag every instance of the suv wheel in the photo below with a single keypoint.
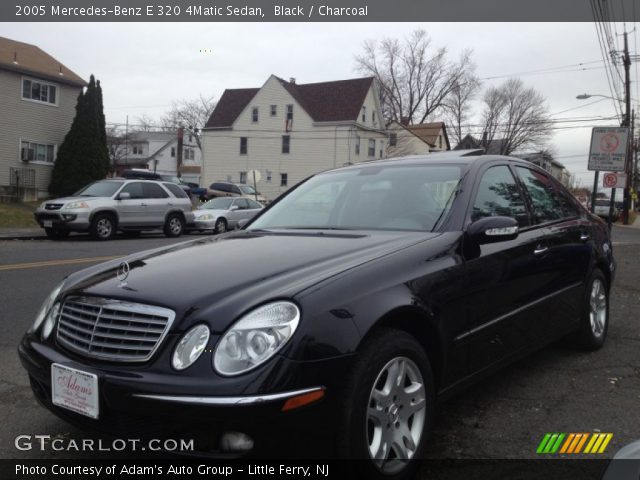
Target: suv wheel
[
  {"x": 174, "y": 225},
  {"x": 103, "y": 226},
  {"x": 56, "y": 233}
]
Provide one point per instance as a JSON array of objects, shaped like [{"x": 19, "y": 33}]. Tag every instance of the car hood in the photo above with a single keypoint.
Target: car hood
[
  {"x": 217, "y": 279},
  {"x": 209, "y": 211}
]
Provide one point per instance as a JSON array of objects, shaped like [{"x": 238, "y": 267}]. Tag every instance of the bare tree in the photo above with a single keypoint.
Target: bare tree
[
  {"x": 190, "y": 114},
  {"x": 457, "y": 105},
  {"x": 414, "y": 78},
  {"x": 515, "y": 115},
  {"x": 145, "y": 123},
  {"x": 116, "y": 144}
]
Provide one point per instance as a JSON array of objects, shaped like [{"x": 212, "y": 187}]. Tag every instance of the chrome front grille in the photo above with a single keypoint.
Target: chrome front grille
[{"x": 111, "y": 329}]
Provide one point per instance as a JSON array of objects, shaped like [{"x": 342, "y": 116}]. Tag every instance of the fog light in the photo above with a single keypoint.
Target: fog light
[{"x": 236, "y": 442}]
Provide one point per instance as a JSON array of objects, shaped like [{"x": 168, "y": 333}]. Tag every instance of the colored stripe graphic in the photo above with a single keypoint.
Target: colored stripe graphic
[{"x": 573, "y": 443}]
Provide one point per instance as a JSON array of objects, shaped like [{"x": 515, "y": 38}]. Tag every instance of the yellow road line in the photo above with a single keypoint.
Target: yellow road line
[{"x": 53, "y": 263}]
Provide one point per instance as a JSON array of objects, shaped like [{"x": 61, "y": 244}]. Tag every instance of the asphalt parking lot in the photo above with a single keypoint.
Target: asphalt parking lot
[{"x": 505, "y": 416}]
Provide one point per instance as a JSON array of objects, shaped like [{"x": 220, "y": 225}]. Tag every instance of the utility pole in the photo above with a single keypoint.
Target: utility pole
[{"x": 627, "y": 123}]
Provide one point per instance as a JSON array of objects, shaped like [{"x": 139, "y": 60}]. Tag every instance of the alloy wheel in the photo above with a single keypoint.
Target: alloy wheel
[
  {"x": 598, "y": 308},
  {"x": 175, "y": 226},
  {"x": 104, "y": 227},
  {"x": 396, "y": 415}
]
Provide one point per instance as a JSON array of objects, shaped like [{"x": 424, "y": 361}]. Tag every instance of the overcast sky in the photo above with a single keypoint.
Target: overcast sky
[{"x": 143, "y": 67}]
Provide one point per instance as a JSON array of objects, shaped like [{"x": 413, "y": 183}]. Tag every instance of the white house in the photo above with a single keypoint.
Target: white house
[
  {"x": 158, "y": 152},
  {"x": 417, "y": 139},
  {"x": 288, "y": 131}
]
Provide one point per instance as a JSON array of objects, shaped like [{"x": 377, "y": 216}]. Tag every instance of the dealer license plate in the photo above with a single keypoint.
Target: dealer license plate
[
  {"x": 47, "y": 223},
  {"x": 75, "y": 390}
]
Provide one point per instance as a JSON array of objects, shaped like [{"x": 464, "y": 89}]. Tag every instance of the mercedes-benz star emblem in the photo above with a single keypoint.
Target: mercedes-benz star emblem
[{"x": 123, "y": 271}]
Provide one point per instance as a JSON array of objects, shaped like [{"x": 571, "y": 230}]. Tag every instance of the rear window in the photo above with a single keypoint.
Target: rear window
[{"x": 176, "y": 190}]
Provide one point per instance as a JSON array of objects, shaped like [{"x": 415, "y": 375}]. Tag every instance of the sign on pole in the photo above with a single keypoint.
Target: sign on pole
[
  {"x": 608, "y": 148},
  {"x": 614, "y": 180}
]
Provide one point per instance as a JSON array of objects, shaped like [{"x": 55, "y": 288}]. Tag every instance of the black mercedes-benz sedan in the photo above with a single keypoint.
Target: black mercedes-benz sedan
[{"x": 349, "y": 306}]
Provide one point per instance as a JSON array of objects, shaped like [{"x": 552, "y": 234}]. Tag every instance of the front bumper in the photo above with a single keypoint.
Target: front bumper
[
  {"x": 204, "y": 224},
  {"x": 77, "y": 220},
  {"x": 150, "y": 404}
]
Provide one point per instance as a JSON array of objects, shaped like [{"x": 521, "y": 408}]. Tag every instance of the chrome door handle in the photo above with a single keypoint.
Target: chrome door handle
[
  {"x": 584, "y": 237},
  {"x": 540, "y": 249}
]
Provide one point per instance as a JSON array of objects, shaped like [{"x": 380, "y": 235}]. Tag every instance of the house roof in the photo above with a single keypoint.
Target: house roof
[
  {"x": 494, "y": 147},
  {"x": 29, "y": 59},
  {"x": 325, "y": 101},
  {"x": 429, "y": 132}
]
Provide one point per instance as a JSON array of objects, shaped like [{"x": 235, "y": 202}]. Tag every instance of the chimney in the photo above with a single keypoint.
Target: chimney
[{"x": 292, "y": 80}]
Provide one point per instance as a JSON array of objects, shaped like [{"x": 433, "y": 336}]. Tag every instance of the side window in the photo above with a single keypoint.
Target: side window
[
  {"x": 235, "y": 189},
  {"x": 498, "y": 195},
  {"x": 134, "y": 189},
  {"x": 570, "y": 205},
  {"x": 176, "y": 190},
  {"x": 242, "y": 203},
  {"x": 546, "y": 205},
  {"x": 153, "y": 190},
  {"x": 254, "y": 205}
]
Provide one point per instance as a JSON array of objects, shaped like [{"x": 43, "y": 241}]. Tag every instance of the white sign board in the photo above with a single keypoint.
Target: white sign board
[
  {"x": 614, "y": 180},
  {"x": 608, "y": 148}
]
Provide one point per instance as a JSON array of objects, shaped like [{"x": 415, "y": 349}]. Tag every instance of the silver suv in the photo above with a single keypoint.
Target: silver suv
[{"x": 105, "y": 206}]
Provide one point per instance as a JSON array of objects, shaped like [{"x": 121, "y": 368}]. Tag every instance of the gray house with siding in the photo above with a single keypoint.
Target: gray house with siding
[{"x": 37, "y": 104}]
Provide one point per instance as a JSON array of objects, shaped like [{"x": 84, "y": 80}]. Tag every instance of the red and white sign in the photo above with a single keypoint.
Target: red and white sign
[
  {"x": 75, "y": 390},
  {"x": 608, "y": 149},
  {"x": 614, "y": 180}
]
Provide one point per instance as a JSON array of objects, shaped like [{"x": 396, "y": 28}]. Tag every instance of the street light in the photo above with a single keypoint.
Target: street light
[{"x": 584, "y": 96}]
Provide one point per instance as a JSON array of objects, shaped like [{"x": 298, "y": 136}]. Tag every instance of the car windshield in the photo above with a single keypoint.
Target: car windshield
[
  {"x": 387, "y": 197},
  {"x": 217, "y": 204},
  {"x": 100, "y": 189},
  {"x": 247, "y": 189}
]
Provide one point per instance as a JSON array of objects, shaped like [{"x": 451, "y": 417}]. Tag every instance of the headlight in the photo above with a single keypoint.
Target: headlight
[
  {"x": 255, "y": 338},
  {"x": 190, "y": 347},
  {"x": 75, "y": 205},
  {"x": 44, "y": 309},
  {"x": 206, "y": 216},
  {"x": 50, "y": 320}
]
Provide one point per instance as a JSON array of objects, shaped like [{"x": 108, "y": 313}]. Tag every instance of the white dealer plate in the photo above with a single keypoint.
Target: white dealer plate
[
  {"x": 47, "y": 223},
  {"x": 75, "y": 390}
]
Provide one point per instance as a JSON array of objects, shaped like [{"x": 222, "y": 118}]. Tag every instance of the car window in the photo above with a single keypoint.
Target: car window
[
  {"x": 220, "y": 203},
  {"x": 254, "y": 205},
  {"x": 176, "y": 190},
  {"x": 569, "y": 203},
  {"x": 546, "y": 205},
  {"x": 153, "y": 190},
  {"x": 100, "y": 189},
  {"x": 134, "y": 189},
  {"x": 242, "y": 203},
  {"x": 235, "y": 189},
  {"x": 498, "y": 195},
  {"x": 222, "y": 187}
]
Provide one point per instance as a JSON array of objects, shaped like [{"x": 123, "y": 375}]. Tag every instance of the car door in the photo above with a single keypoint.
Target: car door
[
  {"x": 158, "y": 204},
  {"x": 567, "y": 233},
  {"x": 132, "y": 211},
  {"x": 234, "y": 216},
  {"x": 505, "y": 280}
]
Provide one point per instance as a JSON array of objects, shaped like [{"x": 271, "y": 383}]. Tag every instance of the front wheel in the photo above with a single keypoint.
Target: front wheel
[
  {"x": 594, "y": 321},
  {"x": 103, "y": 227},
  {"x": 221, "y": 226},
  {"x": 174, "y": 225},
  {"x": 388, "y": 407}
]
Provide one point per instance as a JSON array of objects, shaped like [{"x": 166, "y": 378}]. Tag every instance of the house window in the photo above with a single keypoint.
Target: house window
[
  {"x": 289, "y": 112},
  {"x": 173, "y": 152},
  {"x": 372, "y": 148},
  {"x": 373, "y": 117},
  {"x": 284, "y": 178},
  {"x": 269, "y": 175},
  {"x": 39, "y": 91},
  {"x": 243, "y": 145},
  {"x": 274, "y": 110},
  {"x": 357, "y": 145},
  {"x": 393, "y": 139},
  {"x": 254, "y": 114},
  {"x": 364, "y": 114},
  {"x": 189, "y": 154},
  {"x": 286, "y": 141},
  {"x": 37, "y": 152},
  {"x": 137, "y": 150},
  {"x": 243, "y": 177}
]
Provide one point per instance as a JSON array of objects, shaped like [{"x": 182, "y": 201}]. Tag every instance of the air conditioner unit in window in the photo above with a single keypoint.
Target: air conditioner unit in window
[{"x": 27, "y": 154}]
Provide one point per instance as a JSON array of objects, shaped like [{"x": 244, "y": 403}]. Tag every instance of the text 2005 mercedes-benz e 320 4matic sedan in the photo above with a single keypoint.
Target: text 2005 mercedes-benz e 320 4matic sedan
[{"x": 349, "y": 305}]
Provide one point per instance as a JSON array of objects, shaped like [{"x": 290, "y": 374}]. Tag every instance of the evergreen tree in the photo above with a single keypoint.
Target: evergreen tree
[{"x": 83, "y": 156}]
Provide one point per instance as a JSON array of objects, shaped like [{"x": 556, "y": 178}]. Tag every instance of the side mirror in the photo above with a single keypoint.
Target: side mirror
[
  {"x": 243, "y": 222},
  {"x": 233, "y": 208},
  {"x": 493, "y": 230},
  {"x": 124, "y": 196}
]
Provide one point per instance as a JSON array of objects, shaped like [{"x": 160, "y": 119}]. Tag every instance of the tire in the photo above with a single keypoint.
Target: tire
[
  {"x": 103, "y": 226},
  {"x": 594, "y": 319},
  {"x": 378, "y": 412},
  {"x": 221, "y": 226},
  {"x": 174, "y": 225},
  {"x": 56, "y": 233}
]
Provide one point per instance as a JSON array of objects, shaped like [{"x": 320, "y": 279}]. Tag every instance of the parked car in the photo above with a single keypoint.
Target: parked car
[
  {"x": 142, "y": 174},
  {"x": 345, "y": 309},
  {"x": 226, "y": 189},
  {"x": 224, "y": 213},
  {"x": 602, "y": 209},
  {"x": 103, "y": 207}
]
